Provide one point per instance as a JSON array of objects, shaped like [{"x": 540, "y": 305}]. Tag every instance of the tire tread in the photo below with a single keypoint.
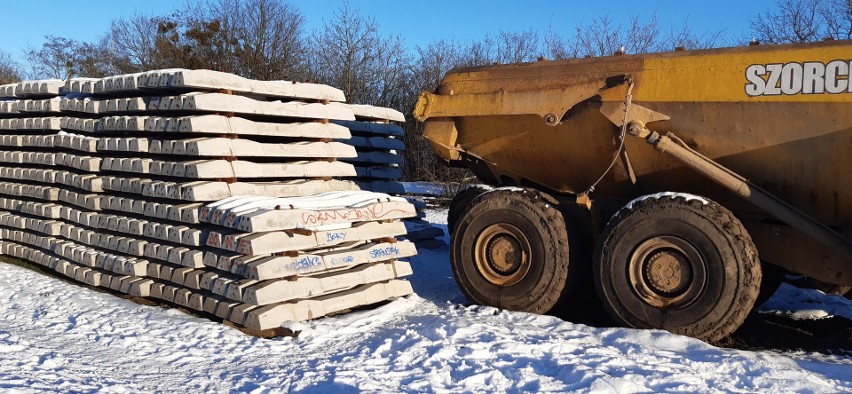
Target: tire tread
[{"x": 748, "y": 286}]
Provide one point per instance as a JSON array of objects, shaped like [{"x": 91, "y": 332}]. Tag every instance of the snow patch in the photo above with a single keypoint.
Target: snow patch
[
  {"x": 655, "y": 196},
  {"x": 56, "y": 336},
  {"x": 806, "y": 304},
  {"x": 507, "y": 188},
  {"x": 437, "y": 216}
]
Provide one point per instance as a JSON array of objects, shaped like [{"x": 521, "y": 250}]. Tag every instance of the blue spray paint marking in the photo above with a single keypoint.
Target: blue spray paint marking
[
  {"x": 342, "y": 260},
  {"x": 389, "y": 251},
  {"x": 307, "y": 263},
  {"x": 334, "y": 237}
]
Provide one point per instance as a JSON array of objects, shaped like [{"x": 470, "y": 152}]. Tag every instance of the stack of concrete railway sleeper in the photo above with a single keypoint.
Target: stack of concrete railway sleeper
[
  {"x": 220, "y": 194},
  {"x": 377, "y": 140}
]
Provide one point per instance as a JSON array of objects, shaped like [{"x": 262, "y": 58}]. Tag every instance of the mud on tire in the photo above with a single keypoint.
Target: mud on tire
[
  {"x": 510, "y": 250},
  {"x": 678, "y": 264}
]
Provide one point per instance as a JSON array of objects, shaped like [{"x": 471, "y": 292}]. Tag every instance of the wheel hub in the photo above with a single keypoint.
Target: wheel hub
[
  {"x": 668, "y": 272},
  {"x": 665, "y": 271},
  {"x": 502, "y": 254}
]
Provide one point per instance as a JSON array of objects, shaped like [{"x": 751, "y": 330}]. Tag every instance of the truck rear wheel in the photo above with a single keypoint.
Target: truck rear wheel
[
  {"x": 682, "y": 264},
  {"x": 460, "y": 202},
  {"x": 510, "y": 250}
]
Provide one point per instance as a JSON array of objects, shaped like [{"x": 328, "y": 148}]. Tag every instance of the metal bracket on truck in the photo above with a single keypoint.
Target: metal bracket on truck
[{"x": 838, "y": 269}]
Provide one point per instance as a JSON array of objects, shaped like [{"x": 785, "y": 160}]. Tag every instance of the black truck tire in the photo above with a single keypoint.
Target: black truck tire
[
  {"x": 678, "y": 263},
  {"x": 460, "y": 202},
  {"x": 510, "y": 250}
]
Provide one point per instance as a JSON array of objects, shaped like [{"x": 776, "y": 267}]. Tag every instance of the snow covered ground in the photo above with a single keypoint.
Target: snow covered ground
[{"x": 58, "y": 336}]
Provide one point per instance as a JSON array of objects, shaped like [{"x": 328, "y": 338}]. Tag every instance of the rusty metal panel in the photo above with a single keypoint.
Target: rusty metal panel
[{"x": 794, "y": 140}]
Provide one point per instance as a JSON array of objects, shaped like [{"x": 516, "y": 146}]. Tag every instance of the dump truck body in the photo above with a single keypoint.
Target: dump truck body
[
  {"x": 794, "y": 142},
  {"x": 778, "y": 116}
]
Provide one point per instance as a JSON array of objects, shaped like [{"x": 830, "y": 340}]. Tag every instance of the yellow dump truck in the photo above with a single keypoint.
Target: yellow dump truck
[{"x": 676, "y": 182}]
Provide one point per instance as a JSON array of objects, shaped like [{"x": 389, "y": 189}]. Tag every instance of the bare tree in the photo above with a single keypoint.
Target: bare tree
[
  {"x": 642, "y": 36},
  {"x": 260, "y": 39},
  {"x": 838, "y": 18},
  {"x": 343, "y": 52},
  {"x": 804, "y": 21},
  {"x": 194, "y": 37},
  {"x": 209, "y": 38},
  {"x": 603, "y": 37},
  {"x": 55, "y": 58},
  {"x": 556, "y": 47},
  {"x": 684, "y": 37},
  {"x": 10, "y": 70},
  {"x": 395, "y": 88},
  {"x": 63, "y": 58},
  {"x": 430, "y": 64},
  {"x": 505, "y": 47},
  {"x": 169, "y": 46},
  {"x": 792, "y": 21},
  {"x": 270, "y": 39},
  {"x": 479, "y": 53},
  {"x": 516, "y": 47},
  {"x": 349, "y": 53},
  {"x": 433, "y": 61},
  {"x": 93, "y": 60},
  {"x": 133, "y": 43}
]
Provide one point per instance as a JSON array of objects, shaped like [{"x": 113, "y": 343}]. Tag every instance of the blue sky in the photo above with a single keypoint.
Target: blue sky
[{"x": 25, "y": 23}]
